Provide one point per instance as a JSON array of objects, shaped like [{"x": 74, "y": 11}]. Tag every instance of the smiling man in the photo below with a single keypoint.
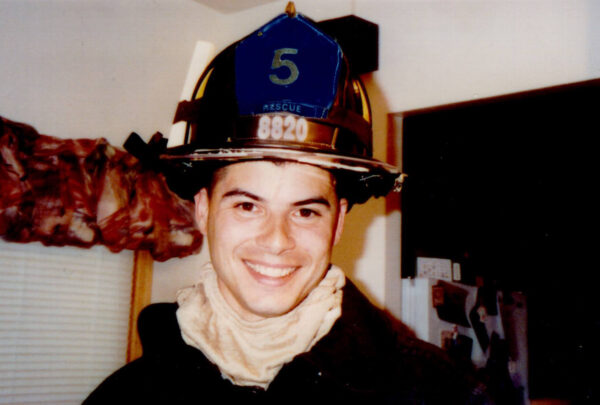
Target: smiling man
[
  {"x": 270, "y": 319},
  {"x": 270, "y": 229}
]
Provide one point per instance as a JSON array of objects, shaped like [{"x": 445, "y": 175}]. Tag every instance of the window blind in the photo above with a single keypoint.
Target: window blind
[{"x": 64, "y": 315}]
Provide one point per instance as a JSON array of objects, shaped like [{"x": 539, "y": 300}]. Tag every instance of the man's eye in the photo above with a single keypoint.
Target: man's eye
[
  {"x": 246, "y": 206},
  {"x": 307, "y": 213}
]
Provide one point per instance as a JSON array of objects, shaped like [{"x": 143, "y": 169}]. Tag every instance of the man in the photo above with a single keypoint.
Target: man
[{"x": 278, "y": 149}]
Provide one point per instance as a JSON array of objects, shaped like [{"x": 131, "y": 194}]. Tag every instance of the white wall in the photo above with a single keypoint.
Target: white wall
[
  {"x": 99, "y": 68},
  {"x": 438, "y": 52}
]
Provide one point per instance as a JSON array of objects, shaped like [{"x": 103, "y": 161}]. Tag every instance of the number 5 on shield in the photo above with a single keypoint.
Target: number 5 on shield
[{"x": 279, "y": 62}]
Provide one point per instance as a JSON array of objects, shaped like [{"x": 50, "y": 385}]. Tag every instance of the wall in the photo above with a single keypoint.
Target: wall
[
  {"x": 95, "y": 68},
  {"x": 104, "y": 69}
]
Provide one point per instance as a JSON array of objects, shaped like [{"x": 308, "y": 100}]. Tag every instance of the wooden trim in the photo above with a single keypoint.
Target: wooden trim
[{"x": 141, "y": 293}]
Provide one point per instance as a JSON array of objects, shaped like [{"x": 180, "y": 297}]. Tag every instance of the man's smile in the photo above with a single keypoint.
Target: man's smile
[{"x": 273, "y": 271}]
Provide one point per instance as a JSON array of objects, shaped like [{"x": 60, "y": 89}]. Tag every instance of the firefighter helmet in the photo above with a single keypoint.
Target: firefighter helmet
[{"x": 284, "y": 92}]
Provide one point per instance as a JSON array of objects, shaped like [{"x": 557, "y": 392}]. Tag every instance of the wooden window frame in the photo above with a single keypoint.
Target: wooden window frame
[{"x": 141, "y": 295}]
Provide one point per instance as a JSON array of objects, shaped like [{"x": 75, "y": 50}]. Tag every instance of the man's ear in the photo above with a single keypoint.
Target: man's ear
[
  {"x": 339, "y": 227},
  {"x": 201, "y": 210}
]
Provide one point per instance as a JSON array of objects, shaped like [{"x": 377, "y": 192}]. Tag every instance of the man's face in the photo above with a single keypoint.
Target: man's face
[{"x": 270, "y": 230}]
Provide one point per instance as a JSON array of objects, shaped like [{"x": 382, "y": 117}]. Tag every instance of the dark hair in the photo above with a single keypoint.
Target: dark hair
[{"x": 348, "y": 185}]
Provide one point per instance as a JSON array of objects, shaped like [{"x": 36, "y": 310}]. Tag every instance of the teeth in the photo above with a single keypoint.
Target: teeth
[{"x": 270, "y": 271}]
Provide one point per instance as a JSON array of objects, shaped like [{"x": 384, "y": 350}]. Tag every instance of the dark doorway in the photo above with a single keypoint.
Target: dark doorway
[{"x": 506, "y": 186}]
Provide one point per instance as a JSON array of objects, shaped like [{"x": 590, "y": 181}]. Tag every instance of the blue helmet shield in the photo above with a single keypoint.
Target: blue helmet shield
[{"x": 287, "y": 66}]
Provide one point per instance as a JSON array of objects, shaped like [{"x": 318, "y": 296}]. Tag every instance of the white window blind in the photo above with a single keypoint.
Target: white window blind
[{"x": 64, "y": 315}]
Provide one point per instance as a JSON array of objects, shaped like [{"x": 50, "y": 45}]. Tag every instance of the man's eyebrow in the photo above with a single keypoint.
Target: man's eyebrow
[
  {"x": 236, "y": 192},
  {"x": 317, "y": 200}
]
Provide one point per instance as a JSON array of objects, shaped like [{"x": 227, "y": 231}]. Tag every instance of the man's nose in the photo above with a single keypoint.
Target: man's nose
[{"x": 276, "y": 236}]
